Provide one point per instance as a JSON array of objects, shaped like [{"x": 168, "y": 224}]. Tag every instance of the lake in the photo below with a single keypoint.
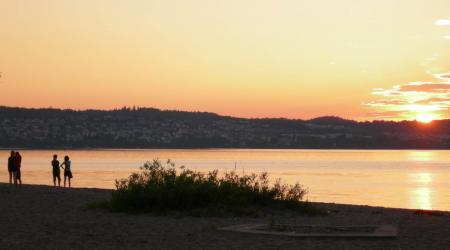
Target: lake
[{"x": 393, "y": 178}]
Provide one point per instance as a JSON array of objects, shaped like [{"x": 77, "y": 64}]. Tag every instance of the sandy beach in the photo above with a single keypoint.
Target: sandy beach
[{"x": 43, "y": 217}]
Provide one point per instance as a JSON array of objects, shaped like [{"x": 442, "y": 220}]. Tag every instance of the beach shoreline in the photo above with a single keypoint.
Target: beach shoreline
[{"x": 45, "y": 217}]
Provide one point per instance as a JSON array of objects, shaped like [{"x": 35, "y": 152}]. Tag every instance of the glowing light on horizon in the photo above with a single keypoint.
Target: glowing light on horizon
[
  {"x": 425, "y": 118},
  {"x": 421, "y": 101}
]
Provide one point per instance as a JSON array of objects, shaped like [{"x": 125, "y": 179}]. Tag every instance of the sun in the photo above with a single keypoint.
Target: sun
[{"x": 425, "y": 118}]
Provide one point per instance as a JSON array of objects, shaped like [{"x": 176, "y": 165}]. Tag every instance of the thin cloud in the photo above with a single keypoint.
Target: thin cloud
[
  {"x": 443, "y": 101},
  {"x": 442, "y": 22},
  {"x": 390, "y": 102},
  {"x": 443, "y": 76}
]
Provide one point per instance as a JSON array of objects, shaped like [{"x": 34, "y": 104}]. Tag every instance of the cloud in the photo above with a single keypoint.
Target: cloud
[
  {"x": 425, "y": 87},
  {"x": 407, "y": 101},
  {"x": 435, "y": 100},
  {"x": 443, "y": 76},
  {"x": 442, "y": 22},
  {"x": 389, "y": 102}
]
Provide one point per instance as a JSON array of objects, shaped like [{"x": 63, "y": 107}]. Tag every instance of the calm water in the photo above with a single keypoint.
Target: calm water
[{"x": 394, "y": 178}]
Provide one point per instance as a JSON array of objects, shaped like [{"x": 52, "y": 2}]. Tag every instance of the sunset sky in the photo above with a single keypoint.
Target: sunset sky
[{"x": 374, "y": 59}]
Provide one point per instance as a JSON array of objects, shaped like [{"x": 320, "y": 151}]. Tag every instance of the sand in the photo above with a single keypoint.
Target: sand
[{"x": 43, "y": 217}]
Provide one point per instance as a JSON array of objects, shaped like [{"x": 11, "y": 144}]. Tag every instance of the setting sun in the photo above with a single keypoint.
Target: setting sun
[{"x": 425, "y": 118}]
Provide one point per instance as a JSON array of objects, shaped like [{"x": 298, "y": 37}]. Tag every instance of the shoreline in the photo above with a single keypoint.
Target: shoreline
[
  {"x": 44, "y": 217},
  {"x": 316, "y": 203}
]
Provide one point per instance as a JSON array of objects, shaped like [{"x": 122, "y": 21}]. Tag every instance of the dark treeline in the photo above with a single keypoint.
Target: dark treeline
[{"x": 154, "y": 128}]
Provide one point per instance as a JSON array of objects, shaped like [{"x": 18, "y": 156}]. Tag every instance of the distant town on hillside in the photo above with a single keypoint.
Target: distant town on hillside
[{"x": 154, "y": 128}]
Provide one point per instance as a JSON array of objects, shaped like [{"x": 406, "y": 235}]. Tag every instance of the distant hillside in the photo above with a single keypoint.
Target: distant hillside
[
  {"x": 154, "y": 128},
  {"x": 327, "y": 120}
]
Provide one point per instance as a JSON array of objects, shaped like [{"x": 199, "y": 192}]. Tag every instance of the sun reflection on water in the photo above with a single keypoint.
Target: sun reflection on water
[
  {"x": 422, "y": 199},
  {"x": 421, "y": 156},
  {"x": 420, "y": 194}
]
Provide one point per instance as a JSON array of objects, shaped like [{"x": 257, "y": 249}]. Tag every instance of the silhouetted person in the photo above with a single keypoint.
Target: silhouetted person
[
  {"x": 12, "y": 168},
  {"x": 56, "y": 171},
  {"x": 67, "y": 170},
  {"x": 18, "y": 165}
]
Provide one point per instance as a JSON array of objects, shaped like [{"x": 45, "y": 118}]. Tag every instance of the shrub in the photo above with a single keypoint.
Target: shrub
[{"x": 162, "y": 187}]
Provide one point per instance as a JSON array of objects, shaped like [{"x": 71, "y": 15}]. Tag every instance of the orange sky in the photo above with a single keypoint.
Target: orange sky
[{"x": 381, "y": 59}]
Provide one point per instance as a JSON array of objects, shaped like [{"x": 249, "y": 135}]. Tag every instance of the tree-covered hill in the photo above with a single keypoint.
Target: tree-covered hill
[{"x": 154, "y": 128}]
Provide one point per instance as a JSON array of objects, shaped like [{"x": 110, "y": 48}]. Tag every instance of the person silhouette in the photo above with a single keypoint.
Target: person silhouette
[
  {"x": 18, "y": 164},
  {"x": 12, "y": 170},
  {"x": 56, "y": 171},
  {"x": 67, "y": 170}
]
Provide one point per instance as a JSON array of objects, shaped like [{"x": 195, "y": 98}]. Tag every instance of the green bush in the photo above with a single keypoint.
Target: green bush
[{"x": 163, "y": 187}]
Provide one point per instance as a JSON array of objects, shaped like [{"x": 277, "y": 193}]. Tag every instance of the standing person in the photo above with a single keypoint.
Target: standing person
[
  {"x": 18, "y": 164},
  {"x": 67, "y": 170},
  {"x": 56, "y": 171},
  {"x": 12, "y": 168}
]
